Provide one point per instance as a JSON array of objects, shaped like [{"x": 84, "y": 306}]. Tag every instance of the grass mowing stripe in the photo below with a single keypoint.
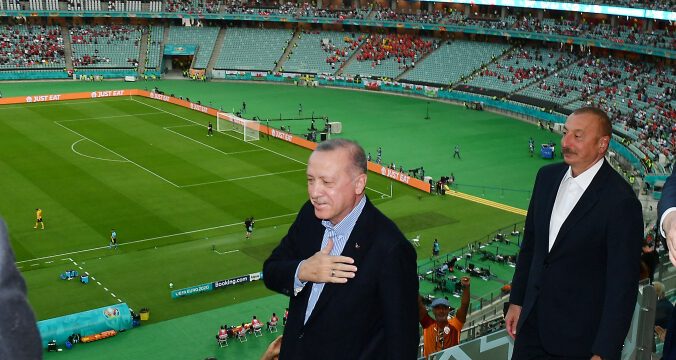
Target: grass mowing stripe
[
  {"x": 235, "y": 137},
  {"x": 143, "y": 168},
  {"x": 262, "y": 147},
  {"x": 111, "y": 117},
  {"x": 72, "y": 147},
  {"x": 59, "y": 103},
  {"x": 151, "y": 238},
  {"x": 209, "y": 146}
]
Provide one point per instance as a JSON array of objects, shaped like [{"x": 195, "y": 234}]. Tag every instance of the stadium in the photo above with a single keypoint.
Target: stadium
[{"x": 104, "y": 111}]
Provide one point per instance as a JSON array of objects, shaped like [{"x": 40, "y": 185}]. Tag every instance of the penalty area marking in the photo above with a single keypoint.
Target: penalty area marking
[
  {"x": 72, "y": 147},
  {"x": 235, "y": 137}
]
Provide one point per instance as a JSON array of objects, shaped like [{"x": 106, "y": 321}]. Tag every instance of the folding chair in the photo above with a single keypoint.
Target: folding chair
[
  {"x": 223, "y": 340},
  {"x": 272, "y": 327},
  {"x": 241, "y": 335},
  {"x": 416, "y": 241},
  {"x": 257, "y": 330}
]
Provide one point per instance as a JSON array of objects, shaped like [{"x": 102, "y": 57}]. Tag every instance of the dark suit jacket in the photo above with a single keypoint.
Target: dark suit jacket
[
  {"x": 584, "y": 290},
  {"x": 19, "y": 337},
  {"x": 372, "y": 316},
  {"x": 669, "y": 200}
]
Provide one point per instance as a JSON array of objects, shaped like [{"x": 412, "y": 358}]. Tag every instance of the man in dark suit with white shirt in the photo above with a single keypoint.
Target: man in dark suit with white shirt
[
  {"x": 19, "y": 337},
  {"x": 576, "y": 279},
  {"x": 350, "y": 273}
]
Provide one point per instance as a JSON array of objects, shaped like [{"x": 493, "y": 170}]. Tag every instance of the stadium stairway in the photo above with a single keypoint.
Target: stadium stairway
[
  {"x": 67, "y": 47},
  {"x": 481, "y": 68},
  {"x": 538, "y": 82},
  {"x": 218, "y": 46},
  {"x": 143, "y": 51},
  {"x": 409, "y": 69},
  {"x": 165, "y": 38},
  {"x": 347, "y": 63},
  {"x": 287, "y": 52}
]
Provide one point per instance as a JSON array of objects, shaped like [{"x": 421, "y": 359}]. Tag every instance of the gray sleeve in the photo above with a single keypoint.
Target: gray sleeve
[{"x": 19, "y": 337}]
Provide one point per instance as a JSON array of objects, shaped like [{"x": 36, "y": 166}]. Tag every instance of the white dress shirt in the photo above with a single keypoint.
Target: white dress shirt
[
  {"x": 664, "y": 216},
  {"x": 570, "y": 192}
]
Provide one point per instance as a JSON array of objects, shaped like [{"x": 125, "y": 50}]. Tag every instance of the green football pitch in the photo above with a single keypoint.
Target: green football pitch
[{"x": 177, "y": 198}]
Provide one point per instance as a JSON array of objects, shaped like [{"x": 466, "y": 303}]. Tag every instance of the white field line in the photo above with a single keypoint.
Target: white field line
[
  {"x": 97, "y": 282},
  {"x": 235, "y": 137},
  {"x": 207, "y": 145},
  {"x": 241, "y": 178},
  {"x": 151, "y": 238},
  {"x": 225, "y": 252},
  {"x": 232, "y": 136},
  {"x": 143, "y": 168},
  {"x": 72, "y": 147}
]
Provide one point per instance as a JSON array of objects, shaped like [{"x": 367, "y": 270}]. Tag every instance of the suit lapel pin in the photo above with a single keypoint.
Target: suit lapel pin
[{"x": 356, "y": 245}]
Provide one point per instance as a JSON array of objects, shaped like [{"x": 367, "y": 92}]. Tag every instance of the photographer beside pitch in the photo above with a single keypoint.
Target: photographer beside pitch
[{"x": 350, "y": 274}]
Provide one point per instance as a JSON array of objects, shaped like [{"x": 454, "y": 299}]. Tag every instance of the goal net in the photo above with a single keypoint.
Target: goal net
[{"x": 229, "y": 122}]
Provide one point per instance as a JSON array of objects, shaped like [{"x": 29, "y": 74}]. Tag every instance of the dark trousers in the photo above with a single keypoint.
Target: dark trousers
[{"x": 528, "y": 345}]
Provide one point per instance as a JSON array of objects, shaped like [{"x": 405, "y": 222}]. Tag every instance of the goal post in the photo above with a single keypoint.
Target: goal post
[{"x": 229, "y": 122}]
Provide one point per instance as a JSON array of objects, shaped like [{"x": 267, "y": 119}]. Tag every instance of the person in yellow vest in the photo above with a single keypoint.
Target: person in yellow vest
[{"x": 38, "y": 219}]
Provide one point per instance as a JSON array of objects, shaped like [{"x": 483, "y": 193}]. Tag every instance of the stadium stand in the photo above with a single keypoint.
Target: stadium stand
[
  {"x": 155, "y": 6},
  {"x": 388, "y": 55},
  {"x": 154, "y": 44},
  {"x": 252, "y": 49},
  {"x": 112, "y": 46},
  {"x": 638, "y": 93},
  {"x": 519, "y": 68},
  {"x": 455, "y": 60},
  {"x": 203, "y": 37},
  {"x": 36, "y": 47},
  {"x": 322, "y": 52},
  {"x": 309, "y": 10},
  {"x": 588, "y": 75}
]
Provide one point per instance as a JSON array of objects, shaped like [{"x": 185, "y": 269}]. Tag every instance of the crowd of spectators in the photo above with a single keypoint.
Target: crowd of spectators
[
  {"x": 526, "y": 64},
  {"x": 669, "y": 5},
  {"x": 31, "y": 46},
  {"x": 102, "y": 35},
  {"x": 309, "y": 10},
  {"x": 192, "y": 6},
  {"x": 403, "y": 48},
  {"x": 338, "y": 53},
  {"x": 644, "y": 103}
]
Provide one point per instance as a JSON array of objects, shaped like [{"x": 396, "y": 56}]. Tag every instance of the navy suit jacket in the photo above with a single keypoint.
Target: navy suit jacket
[
  {"x": 19, "y": 337},
  {"x": 372, "y": 316},
  {"x": 584, "y": 290}
]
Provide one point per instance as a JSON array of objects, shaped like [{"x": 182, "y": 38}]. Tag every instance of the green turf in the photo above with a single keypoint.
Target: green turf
[
  {"x": 495, "y": 162},
  {"x": 148, "y": 169}
]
